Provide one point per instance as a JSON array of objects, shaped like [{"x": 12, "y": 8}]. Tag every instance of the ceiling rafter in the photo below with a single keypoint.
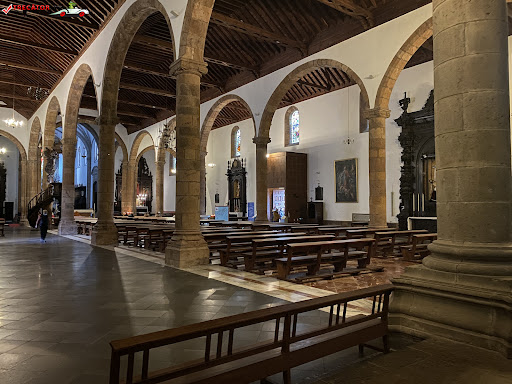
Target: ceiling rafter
[
  {"x": 143, "y": 89},
  {"x": 257, "y": 32},
  {"x": 17, "y": 41},
  {"x": 350, "y": 8}
]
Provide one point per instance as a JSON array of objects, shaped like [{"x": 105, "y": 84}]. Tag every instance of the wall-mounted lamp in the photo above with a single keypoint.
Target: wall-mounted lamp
[
  {"x": 3, "y": 151},
  {"x": 211, "y": 165},
  {"x": 268, "y": 155}
]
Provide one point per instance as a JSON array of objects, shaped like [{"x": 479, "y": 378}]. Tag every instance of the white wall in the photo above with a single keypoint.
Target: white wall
[
  {"x": 325, "y": 122},
  {"x": 11, "y": 163},
  {"x": 169, "y": 187},
  {"x": 219, "y": 153}
]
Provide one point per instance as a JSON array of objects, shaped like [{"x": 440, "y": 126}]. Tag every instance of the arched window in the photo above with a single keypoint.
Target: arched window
[
  {"x": 292, "y": 127},
  {"x": 172, "y": 165},
  {"x": 235, "y": 142}
]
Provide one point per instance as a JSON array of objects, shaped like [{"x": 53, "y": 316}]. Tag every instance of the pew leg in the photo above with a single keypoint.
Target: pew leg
[
  {"x": 287, "y": 377},
  {"x": 385, "y": 342},
  {"x": 361, "y": 350},
  {"x": 361, "y": 263},
  {"x": 282, "y": 271}
]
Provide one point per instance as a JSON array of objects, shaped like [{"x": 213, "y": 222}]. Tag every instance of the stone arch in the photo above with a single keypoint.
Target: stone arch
[
  {"x": 292, "y": 78},
  {"x": 123, "y": 146},
  {"x": 52, "y": 112},
  {"x": 287, "y": 125},
  {"x": 408, "y": 49},
  {"x": 16, "y": 142},
  {"x": 147, "y": 149},
  {"x": 214, "y": 112},
  {"x": 35, "y": 132},
  {"x": 195, "y": 28},
  {"x": 75, "y": 93},
  {"x": 126, "y": 30},
  {"x": 136, "y": 144},
  {"x": 160, "y": 155}
]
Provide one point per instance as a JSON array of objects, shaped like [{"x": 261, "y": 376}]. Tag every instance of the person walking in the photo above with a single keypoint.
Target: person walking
[{"x": 42, "y": 223}]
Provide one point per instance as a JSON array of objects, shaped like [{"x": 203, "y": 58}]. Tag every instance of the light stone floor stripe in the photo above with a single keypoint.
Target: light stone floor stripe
[{"x": 267, "y": 285}]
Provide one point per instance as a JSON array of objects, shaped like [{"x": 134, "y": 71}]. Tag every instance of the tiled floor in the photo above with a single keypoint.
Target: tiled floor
[{"x": 62, "y": 302}]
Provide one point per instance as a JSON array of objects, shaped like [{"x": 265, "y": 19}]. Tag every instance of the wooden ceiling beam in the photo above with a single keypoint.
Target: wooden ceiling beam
[
  {"x": 311, "y": 85},
  {"x": 30, "y": 67},
  {"x": 10, "y": 82},
  {"x": 208, "y": 58},
  {"x": 350, "y": 8},
  {"x": 135, "y": 114},
  {"x": 153, "y": 91},
  {"x": 152, "y": 71},
  {"x": 17, "y": 97},
  {"x": 257, "y": 32},
  {"x": 26, "y": 43},
  {"x": 135, "y": 103}
]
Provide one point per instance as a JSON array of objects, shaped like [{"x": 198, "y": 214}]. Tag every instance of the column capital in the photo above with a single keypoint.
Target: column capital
[
  {"x": 159, "y": 163},
  {"x": 184, "y": 65},
  {"x": 261, "y": 140},
  {"x": 376, "y": 112}
]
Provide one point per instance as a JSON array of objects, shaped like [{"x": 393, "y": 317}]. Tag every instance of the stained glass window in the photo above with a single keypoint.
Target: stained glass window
[
  {"x": 237, "y": 143},
  {"x": 294, "y": 127}
]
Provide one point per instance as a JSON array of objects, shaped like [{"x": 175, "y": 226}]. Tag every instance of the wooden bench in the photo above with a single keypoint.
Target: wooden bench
[
  {"x": 338, "y": 232},
  {"x": 417, "y": 250},
  {"x": 313, "y": 255},
  {"x": 237, "y": 245},
  {"x": 2, "y": 223},
  {"x": 290, "y": 347},
  {"x": 268, "y": 250},
  {"x": 358, "y": 233},
  {"x": 387, "y": 241}
]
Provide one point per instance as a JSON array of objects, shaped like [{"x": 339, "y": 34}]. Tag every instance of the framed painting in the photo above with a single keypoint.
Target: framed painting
[{"x": 345, "y": 174}]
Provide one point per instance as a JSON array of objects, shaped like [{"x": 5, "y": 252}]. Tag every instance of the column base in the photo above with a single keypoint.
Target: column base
[
  {"x": 67, "y": 227},
  {"x": 472, "y": 309},
  {"x": 186, "y": 250},
  {"x": 24, "y": 222},
  {"x": 104, "y": 234}
]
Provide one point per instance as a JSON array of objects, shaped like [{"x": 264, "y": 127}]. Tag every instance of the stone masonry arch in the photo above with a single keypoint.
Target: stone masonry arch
[
  {"x": 105, "y": 232},
  {"x": 67, "y": 225},
  {"x": 408, "y": 49},
  {"x": 34, "y": 159},
  {"x": 195, "y": 28},
  {"x": 292, "y": 78},
  {"x": 52, "y": 112}
]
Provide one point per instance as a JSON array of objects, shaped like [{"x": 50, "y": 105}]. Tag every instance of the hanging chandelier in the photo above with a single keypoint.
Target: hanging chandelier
[
  {"x": 12, "y": 122},
  {"x": 37, "y": 93}
]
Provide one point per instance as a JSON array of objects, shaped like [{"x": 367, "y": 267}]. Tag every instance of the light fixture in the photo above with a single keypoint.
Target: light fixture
[
  {"x": 12, "y": 122},
  {"x": 3, "y": 151},
  {"x": 211, "y": 165},
  {"x": 267, "y": 155}
]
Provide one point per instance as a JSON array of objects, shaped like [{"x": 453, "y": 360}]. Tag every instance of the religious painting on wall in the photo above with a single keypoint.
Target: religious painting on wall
[{"x": 345, "y": 173}]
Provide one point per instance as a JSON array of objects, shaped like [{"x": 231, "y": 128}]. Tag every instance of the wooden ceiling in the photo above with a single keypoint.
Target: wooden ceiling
[{"x": 246, "y": 40}]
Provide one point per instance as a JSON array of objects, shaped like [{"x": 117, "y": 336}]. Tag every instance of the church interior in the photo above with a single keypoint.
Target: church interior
[{"x": 227, "y": 191}]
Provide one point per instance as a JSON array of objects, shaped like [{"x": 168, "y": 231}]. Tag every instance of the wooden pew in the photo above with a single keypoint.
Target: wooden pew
[
  {"x": 268, "y": 250},
  {"x": 386, "y": 242},
  {"x": 238, "y": 245},
  {"x": 336, "y": 252},
  {"x": 338, "y": 232},
  {"x": 223, "y": 363},
  {"x": 358, "y": 233},
  {"x": 417, "y": 250},
  {"x": 2, "y": 223}
]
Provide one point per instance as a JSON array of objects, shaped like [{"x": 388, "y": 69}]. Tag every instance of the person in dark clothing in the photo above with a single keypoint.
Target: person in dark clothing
[{"x": 42, "y": 223}]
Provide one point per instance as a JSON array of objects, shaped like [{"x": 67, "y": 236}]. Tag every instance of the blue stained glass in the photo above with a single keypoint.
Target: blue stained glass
[
  {"x": 294, "y": 127},
  {"x": 237, "y": 143}
]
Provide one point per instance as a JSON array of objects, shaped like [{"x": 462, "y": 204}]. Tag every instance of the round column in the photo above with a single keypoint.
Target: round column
[
  {"x": 261, "y": 177},
  {"x": 67, "y": 224},
  {"x": 125, "y": 177},
  {"x": 159, "y": 185},
  {"x": 187, "y": 246},
  {"x": 472, "y": 132},
  {"x": 105, "y": 231},
  {"x": 202, "y": 199},
  {"x": 377, "y": 166}
]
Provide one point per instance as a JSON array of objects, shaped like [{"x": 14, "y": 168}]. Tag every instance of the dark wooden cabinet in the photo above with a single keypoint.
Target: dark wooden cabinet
[
  {"x": 288, "y": 180},
  {"x": 237, "y": 186}
]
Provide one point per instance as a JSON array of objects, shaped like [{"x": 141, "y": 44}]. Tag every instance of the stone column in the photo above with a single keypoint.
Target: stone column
[
  {"x": 187, "y": 246},
  {"x": 202, "y": 198},
  {"x": 135, "y": 177},
  {"x": 125, "y": 195},
  {"x": 33, "y": 167},
  {"x": 67, "y": 224},
  {"x": 261, "y": 177},
  {"x": 463, "y": 290},
  {"x": 105, "y": 232},
  {"x": 25, "y": 175},
  {"x": 159, "y": 186},
  {"x": 377, "y": 151},
  {"x": 89, "y": 165}
]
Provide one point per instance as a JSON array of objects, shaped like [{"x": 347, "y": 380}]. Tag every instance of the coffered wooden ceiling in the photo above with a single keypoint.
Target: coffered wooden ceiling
[{"x": 246, "y": 40}]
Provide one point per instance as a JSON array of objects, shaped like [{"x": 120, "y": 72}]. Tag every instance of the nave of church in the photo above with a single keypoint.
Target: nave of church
[{"x": 211, "y": 191}]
